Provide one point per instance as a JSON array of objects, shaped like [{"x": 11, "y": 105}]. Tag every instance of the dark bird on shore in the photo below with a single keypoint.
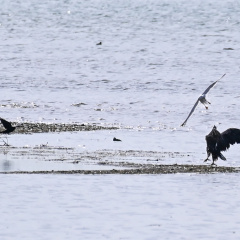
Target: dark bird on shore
[
  {"x": 7, "y": 125},
  {"x": 100, "y": 43},
  {"x": 217, "y": 142},
  {"x": 202, "y": 99},
  {"x": 116, "y": 139}
]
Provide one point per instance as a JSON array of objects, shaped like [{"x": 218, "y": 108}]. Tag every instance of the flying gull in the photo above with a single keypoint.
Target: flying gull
[
  {"x": 202, "y": 99},
  {"x": 217, "y": 142}
]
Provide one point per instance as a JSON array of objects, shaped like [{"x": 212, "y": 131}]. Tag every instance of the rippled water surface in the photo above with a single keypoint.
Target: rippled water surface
[
  {"x": 178, "y": 206},
  {"x": 155, "y": 59}
]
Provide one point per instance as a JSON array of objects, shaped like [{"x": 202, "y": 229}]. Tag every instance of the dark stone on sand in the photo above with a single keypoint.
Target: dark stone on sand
[{"x": 116, "y": 140}]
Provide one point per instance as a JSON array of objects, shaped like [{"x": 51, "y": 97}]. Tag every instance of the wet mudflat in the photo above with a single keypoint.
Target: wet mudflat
[
  {"x": 51, "y": 158},
  {"x": 26, "y": 127}
]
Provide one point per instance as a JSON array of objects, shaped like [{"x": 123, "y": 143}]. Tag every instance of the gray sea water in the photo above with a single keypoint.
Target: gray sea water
[
  {"x": 156, "y": 58},
  {"x": 180, "y": 206}
]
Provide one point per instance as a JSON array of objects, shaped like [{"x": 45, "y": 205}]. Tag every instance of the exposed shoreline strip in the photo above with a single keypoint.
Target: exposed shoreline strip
[
  {"x": 28, "y": 128},
  {"x": 156, "y": 169}
]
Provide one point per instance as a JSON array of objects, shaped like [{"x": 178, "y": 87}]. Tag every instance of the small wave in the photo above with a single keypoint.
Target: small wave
[
  {"x": 78, "y": 104},
  {"x": 20, "y": 105}
]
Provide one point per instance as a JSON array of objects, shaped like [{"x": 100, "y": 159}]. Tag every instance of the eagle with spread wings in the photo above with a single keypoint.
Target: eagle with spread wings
[{"x": 217, "y": 142}]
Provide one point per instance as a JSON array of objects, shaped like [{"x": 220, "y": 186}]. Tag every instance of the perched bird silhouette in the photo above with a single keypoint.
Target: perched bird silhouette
[
  {"x": 202, "y": 99},
  {"x": 7, "y": 125},
  {"x": 217, "y": 142}
]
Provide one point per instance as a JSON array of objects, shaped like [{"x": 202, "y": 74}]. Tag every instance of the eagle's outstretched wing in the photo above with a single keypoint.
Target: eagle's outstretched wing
[{"x": 230, "y": 136}]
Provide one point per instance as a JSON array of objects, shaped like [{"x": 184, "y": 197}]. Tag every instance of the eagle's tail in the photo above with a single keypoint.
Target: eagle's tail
[{"x": 222, "y": 157}]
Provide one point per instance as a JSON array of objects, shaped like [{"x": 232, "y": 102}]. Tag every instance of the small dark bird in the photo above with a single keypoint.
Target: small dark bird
[
  {"x": 116, "y": 139},
  {"x": 217, "y": 142},
  {"x": 100, "y": 43},
  {"x": 7, "y": 125}
]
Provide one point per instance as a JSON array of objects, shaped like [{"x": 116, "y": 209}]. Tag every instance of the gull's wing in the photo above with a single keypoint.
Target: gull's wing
[
  {"x": 208, "y": 89},
  {"x": 195, "y": 105}
]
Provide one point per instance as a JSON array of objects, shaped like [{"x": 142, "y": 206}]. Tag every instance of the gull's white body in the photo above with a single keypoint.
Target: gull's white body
[{"x": 202, "y": 99}]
